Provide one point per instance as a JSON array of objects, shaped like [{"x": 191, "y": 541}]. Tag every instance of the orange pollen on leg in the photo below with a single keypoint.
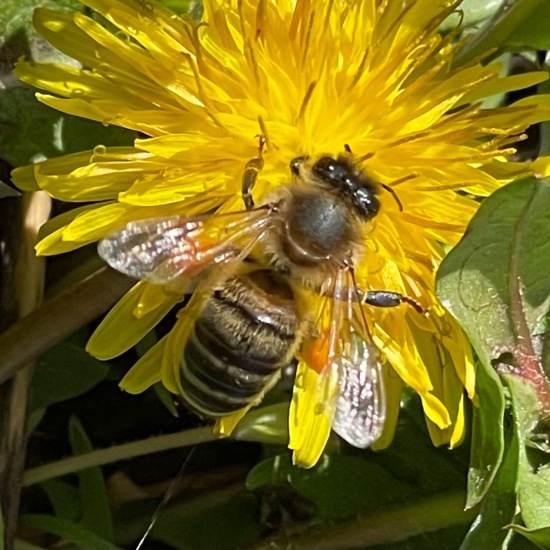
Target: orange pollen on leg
[{"x": 315, "y": 353}]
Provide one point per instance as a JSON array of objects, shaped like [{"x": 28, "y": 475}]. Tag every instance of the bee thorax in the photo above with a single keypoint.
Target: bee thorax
[{"x": 315, "y": 234}]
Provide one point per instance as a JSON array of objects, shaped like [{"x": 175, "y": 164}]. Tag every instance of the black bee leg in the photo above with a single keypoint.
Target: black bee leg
[
  {"x": 251, "y": 170},
  {"x": 386, "y": 298}
]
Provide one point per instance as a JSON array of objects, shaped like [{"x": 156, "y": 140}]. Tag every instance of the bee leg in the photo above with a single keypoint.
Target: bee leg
[
  {"x": 251, "y": 170},
  {"x": 386, "y": 298}
]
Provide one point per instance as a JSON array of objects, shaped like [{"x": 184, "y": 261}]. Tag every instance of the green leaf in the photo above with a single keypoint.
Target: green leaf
[
  {"x": 513, "y": 217},
  {"x": 495, "y": 283},
  {"x": 179, "y": 6},
  {"x": 31, "y": 131},
  {"x": 34, "y": 418},
  {"x": 63, "y": 372},
  {"x": 96, "y": 514},
  {"x": 21, "y": 544},
  {"x": 167, "y": 399},
  {"x": 267, "y": 424},
  {"x": 17, "y": 30},
  {"x": 343, "y": 485},
  {"x": 540, "y": 537},
  {"x": 498, "y": 508},
  {"x": 413, "y": 459},
  {"x": 472, "y": 13},
  {"x": 487, "y": 446},
  {"x": 222, "y": 520},
  {"x": 339, "y": 486},
  {"x": 518, "y": 24},
  {"x": 72, "y": 532},
  {"x": 527, "y": 22},
  {"x": 495, "y": 280},
  {"x": 534, "y": 471},
  {"x": 64, "y": 498},
  {"x": 534, "y": 491},
  {"x": 7, "y": 191},
  {"x": 544, "y": 88}
]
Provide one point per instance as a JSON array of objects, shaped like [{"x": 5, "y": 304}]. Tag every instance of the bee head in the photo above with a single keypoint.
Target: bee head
[{"x": 342, "y": 177}]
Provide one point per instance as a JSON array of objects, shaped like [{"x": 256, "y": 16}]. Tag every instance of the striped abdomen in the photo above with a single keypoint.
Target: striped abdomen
[{"x": 247, "y": 332}]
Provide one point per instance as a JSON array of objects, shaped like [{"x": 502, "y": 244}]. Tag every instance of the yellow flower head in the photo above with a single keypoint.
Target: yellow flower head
[{"x": 311, "y": 78}]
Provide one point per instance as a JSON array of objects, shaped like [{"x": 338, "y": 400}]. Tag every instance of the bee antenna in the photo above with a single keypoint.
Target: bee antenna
[
  {"x": 394, "y": 195},
  {"x": 360, "y": 159},
  {"x": 366, "y": 156}
]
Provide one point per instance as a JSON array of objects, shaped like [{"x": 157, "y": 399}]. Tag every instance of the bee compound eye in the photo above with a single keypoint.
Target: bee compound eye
[
  {"x": 326, "y": 168},
  {"x": 366, "y": 202}
]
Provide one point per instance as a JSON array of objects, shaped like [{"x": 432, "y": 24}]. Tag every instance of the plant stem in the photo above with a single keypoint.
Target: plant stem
[
  {"x": 28, "y": 285},
  {"x": 390, "y": 527},
  {"x": 119, "y": 452},
  {"x": 58, "y": 318}
]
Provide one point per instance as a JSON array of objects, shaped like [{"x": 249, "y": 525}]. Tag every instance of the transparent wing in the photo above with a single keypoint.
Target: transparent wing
[
  {"x": 350, "y": 386},
  {"x": 161, "y": 250},
  {"x": 361, "y": 405}
]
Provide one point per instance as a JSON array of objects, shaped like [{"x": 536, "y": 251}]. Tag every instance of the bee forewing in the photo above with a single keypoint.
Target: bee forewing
[
  {"x": 138, "y": 249},
  {"x": 361, "y": 405},
  {"x": 161, "y": 250}
]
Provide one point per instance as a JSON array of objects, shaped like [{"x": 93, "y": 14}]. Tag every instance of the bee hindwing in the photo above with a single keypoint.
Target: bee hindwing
[{"x": 360, "y": 408}]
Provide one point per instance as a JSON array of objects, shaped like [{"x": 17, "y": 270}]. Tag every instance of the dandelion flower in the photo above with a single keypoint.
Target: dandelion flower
[{"x": 310, "y": 77}]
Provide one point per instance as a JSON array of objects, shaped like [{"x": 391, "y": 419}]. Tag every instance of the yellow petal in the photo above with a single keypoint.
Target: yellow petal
[
  {"x": 503, "y": 85},
  {"x": 224, "y": 426},
  {"x": 109, "y": 340},
  {"x": 146, "y": 371},
  {"x": 435, "y": 410},
  {"x": 393, "y": 387},
  {"x": 459, "y": 427},
  {"x": 541, "y": 166},
  {"x": 23, "y": 177},
  {"x": 97, "y": 175},
  {"x": 309, "y": 424}
]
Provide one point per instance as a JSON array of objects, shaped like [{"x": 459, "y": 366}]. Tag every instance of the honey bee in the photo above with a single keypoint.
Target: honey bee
[{"x": 262, "y": 266}]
